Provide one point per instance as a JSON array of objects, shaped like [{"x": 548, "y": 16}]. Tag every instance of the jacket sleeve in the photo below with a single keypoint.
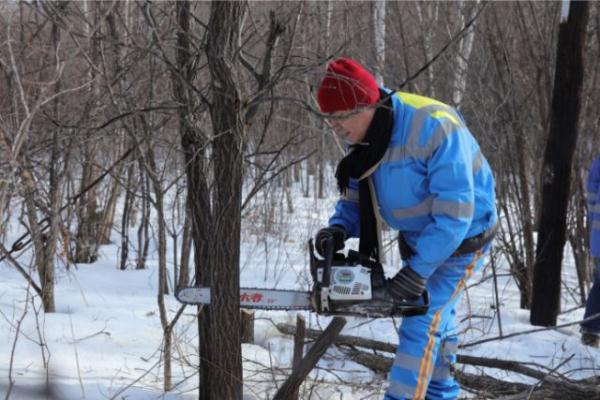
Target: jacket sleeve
[
  {"x": 450, "y": 176},
  {"x": 347, "y": 211}
]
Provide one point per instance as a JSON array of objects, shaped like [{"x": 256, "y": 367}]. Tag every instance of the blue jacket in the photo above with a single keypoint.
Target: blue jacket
[
  {"x": 433, "y": 184},
  {"x": 593, "y": 200}
]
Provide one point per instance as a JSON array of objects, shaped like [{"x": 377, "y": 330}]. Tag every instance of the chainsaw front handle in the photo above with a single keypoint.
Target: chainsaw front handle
[
  {"x": 329, "y": 252},
  {"x": 416, "y": 307}
]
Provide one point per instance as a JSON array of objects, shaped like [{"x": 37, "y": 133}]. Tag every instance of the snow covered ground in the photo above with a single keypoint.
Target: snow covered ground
[{"x": 104, "y": 340}]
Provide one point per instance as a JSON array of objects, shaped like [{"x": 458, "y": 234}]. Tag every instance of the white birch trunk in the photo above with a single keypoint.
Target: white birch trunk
[
  {"x": 328, "y": 24},
  {"x": 464, "y": 53},
  {"x": 379, "y": 23},
  {"x": 428, "y": 15}
]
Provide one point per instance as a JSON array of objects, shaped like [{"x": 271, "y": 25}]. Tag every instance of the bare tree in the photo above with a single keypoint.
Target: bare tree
[
  {"x": 27, "y": 106},
  {"x": 379, "y": 23},
  {"x": 220, "y": 353},
  {"x": 556, "y": 171},
  {"x": 463, "y": 54}
]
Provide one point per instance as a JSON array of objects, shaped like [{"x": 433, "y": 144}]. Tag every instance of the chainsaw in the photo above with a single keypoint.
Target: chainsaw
[{"x": 351, "y": 285}]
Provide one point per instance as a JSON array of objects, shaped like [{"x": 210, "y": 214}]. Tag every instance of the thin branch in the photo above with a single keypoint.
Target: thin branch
[
  {"x": 452, "y": 40},
  {"x": 257, "y": 187},
  {"x": 550, "y": 328},
  {"x": 19, "y": 268}
]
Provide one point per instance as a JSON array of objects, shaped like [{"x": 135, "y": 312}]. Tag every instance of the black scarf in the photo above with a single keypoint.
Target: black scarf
[{"x": 362, "y": 157}]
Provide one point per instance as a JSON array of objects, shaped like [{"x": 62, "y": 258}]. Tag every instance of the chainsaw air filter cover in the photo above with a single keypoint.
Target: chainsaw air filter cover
[{"x": 348, "y": 283}]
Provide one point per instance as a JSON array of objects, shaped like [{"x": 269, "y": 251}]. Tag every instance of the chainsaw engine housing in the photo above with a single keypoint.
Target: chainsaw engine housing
[{"x": 348, "y": 283}]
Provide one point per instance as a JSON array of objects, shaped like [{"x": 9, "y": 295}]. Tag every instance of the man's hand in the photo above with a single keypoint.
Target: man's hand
[
  {"x": 335, "y": 232},
  {"x": 406, "y": 285}
]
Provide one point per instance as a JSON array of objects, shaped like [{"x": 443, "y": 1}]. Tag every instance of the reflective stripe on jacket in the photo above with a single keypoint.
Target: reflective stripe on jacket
[
  {"x": 593, "y": 200},
  {"x": 433, "y": 184}
]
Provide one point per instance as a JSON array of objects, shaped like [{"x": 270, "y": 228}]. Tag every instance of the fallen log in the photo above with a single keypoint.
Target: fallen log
[
  {"x": 479, "y": 383},
  {"x": 347, "y": 340},
  {"x": 488, "y": 387},
  {"x": 307, "y": 363},
  {"x": 549, "y": 381}
]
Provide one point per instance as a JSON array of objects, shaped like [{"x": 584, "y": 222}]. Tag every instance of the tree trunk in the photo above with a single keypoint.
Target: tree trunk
[
  {"x": 45, "y": 269},
  {"x": 464, "y": 53},
  {"x": 527, "y": 221},
  {"x": 154, "y": 178},
  {"x": 184, "y": 264},
  {"x": 220, "y": 349},
  {"x": 379, "y": 37},
  {"x": 578, "y": 235},
  {"x": 86, "y": 248},
  {"x": 108, "y": 215},
  {"x": 299, "y": 341},
  {"x": 197, "y": 210},
  {"x": 323, "y": 51},
  {"x": 126, "y": 218},
  {"x": 163, "y": 290},
  {"x": 308, "y": 172},
  {"x": 428, "y": 11},
  {"x": 143, "y": 234},
  {"x": 198, "y": 200},
  {"x": 247, "y": 334},
  {"x": 162, "y": 231},
  {"x": 167, "y": 351},
  {"x": 556, "y": 170}
]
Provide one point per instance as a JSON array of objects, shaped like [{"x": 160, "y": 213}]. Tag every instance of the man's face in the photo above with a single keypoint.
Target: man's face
[{"x": 352, "y": 126}]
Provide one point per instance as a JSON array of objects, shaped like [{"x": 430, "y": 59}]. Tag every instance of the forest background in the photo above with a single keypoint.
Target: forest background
[{"x": 176, "y": 133}]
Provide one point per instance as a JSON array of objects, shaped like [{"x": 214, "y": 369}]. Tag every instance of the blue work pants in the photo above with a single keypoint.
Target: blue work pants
[
  {"x": 592, "y": 306},
  {"x": 428, "y": 343}
]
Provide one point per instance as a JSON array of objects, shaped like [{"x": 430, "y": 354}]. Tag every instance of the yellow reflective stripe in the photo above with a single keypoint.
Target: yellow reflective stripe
[
  {"x": 445, "y": 114},
  {"x": 417, "y": 101},
  {"x": 596, "y": 225},
  {"x": 427, "y": 361},
  {"x": 595, "y": 208},
  {"x": 447, "y": 122},
  {"x": 425, "y": 368}
]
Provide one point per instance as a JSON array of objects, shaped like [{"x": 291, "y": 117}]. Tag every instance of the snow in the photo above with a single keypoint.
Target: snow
[
  {"x": 564, "y": 10},
  {"x": 104, "y": 340}
]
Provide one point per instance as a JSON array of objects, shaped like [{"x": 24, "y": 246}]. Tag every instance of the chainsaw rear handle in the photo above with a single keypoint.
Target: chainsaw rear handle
[{"x": 314, "y": 262}]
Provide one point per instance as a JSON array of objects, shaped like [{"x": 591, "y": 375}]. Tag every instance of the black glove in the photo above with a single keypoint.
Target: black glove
[
  {"x": 406, "y": 285},
  {"x": 335, "y": 232}
]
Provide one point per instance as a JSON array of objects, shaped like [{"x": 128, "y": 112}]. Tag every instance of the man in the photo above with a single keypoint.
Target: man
[
  {"x": 591, "y": 329},
  {"x": 414, "y": 165}
]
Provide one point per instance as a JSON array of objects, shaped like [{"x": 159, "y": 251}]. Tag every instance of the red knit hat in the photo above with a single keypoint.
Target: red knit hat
[{"x": 346, "y": 86}]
